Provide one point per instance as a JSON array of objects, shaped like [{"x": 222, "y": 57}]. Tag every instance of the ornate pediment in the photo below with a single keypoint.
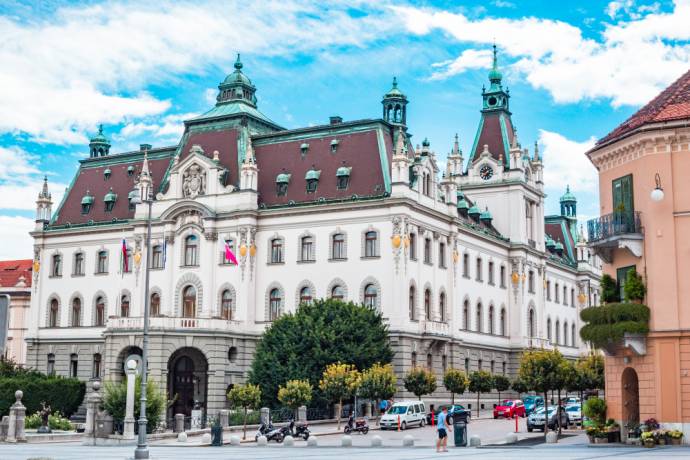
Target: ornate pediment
[{"x": 194, "y": 181}]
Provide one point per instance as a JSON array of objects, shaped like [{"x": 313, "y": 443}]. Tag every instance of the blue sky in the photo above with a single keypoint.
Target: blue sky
[{"x": 574, "y": 71}]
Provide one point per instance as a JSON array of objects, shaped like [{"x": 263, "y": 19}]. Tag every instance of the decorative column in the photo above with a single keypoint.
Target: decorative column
[
  {"x": 15, "y": 430},
  {"x": 93, "y": 402},
  {"x": 128, "y": 432}
]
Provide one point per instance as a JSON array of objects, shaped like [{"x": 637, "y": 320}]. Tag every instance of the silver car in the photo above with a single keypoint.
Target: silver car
[
  {"x": 574, "y": 413},
  {"x": 536, "y": 419}
]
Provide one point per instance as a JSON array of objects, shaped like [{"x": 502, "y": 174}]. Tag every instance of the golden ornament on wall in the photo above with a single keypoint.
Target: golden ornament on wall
[
  {"x": 396, "y": 241},
  {"x": 243, "y": 250},
  {"x": 37, "y": 266},
  {"x": 406, "y": 241},
  {"x": 515, "y": 277},
  {"x": 582, "y": 297},
  {"x": 137, "y": 258},
  {"x": 456, "y": 256},
  {"x": 252, "y": 250}
]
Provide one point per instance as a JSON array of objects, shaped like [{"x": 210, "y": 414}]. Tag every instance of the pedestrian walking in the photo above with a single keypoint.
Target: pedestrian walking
[{"x": 442, "y": 427}]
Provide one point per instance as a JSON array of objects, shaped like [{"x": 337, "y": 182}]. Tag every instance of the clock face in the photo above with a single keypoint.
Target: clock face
[{"x": 486, "y": 172}]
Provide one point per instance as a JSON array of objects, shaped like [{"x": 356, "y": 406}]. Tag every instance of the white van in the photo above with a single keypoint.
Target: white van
[{"x": 410, "y": 413}]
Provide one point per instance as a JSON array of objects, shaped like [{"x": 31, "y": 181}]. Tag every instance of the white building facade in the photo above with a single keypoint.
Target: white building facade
[{"x": 466, "y": 269}]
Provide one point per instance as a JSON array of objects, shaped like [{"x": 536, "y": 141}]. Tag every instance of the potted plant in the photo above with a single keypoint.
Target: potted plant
[
  {"x": 601, "y": 437},
  {"x": 647, "y": 439},
  {"x": 676, "y": 436},
  {"x": 634, "y": 430},
  {"x": 613, "y": 431},
  {"x": 592, "y": 433},
  {"x": 651, "y": 424}
]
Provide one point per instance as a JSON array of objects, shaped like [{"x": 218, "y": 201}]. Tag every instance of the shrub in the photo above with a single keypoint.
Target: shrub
[
  {"x": 55, "y": 421},
  {"x": 634, "y": 288},
  {"x": 609, "y": 290},
  {"x": 420, "y": 382},
  {"x": 64, "y": 395},
  {"x": 115, "y": 401},
  {"x": 609, "y": 323},
  {"x": 595, "y": 409},
  {"x": 236, "y": 418}
]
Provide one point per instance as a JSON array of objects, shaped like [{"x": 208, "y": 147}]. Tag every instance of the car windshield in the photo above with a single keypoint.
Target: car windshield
[
  {"x": 398, "y": 410},
  {"x": 507, "y": 403},
  {"x": 572, "y": 409},
  {"x": 539, "y": 411}
]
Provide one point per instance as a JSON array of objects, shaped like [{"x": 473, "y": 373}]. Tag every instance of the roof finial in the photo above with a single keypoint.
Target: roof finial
[
  {"x": 100, "y": 128},
  {"x": 395, "y": 82},
  {"x": 238, "y": 63},
  {"x": 536, "y": 150}
]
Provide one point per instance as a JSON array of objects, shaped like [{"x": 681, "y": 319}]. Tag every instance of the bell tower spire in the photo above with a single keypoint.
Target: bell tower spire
[
  {"x": 44, "y": 205},
  {"x": 395, "y": 105}
]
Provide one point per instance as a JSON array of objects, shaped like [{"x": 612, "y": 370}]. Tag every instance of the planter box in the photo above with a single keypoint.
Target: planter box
[
  {"x": 676, "y": 441},
  {"x": 614, "y": 436},
  {"x": 601, "y": 440}
]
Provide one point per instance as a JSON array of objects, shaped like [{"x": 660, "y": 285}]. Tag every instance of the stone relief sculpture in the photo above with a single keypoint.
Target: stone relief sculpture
[{"x": 194, "y": 181}]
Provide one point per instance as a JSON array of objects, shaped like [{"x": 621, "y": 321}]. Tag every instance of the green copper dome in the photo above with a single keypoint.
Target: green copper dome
[
  {"x": 237, "y": 76},
  {"x": 559, "y": 246},
  {"x": 110, "y": 196},
  {"x": 463, "y": 205},
  {"x": 474, "y": 210},
  {"x": 486, "y": 215},
  {"x": 395, "y": 91},
  {"x": 312, "y": 174},
  {"x": 550, "y": 243},
  {"x": 283, "y": 178},
  {"x": 87, "y": 199},
  {"x": 100, "y": 137},
  {"x": 107, "y": 172},
  {"x": 343, "y": 171},
  {"x": 568, "y": 196}
]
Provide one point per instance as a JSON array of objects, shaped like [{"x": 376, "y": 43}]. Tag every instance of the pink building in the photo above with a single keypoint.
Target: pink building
[
  {"x": 644, "y": 185},
  {"x": 15, "y": 281}
]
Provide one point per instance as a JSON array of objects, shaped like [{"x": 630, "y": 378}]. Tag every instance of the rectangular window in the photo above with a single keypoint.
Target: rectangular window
[
  {"x": 491, "y": 273},
  {"x": 531, "y": 282},
  {"x": 572, "y": 297},
  {"x": 157, "y": 256},
  {"x": 370, "y": 244},
  {"x": 444, "y": 363},
  {"x": 623, "y": 195},
  {"x": 467, "y": 366},
  {"x": 102, "y": 262},
  {"x": 548, "y": 290},
  {"x": 56, "y": 267},
  {"x": 556, "y": 294},
  {"x": 442, "y": 255},
  {"x": 503, "y": 276},
  {"x": 339, "y": 247},
  {"x": 276, "y": 251},
  {"x": 413, "y": 246},
  {"x": 466, "y": 265},
  {"x": 621, "y": 275},
  {"x": 565, "y": 295},
  {"x": 78, "y": 264},
  {"x": 479, "y": 269},
  {"x": 307, "y": 249},
  {"x": 427, "y": 250}
]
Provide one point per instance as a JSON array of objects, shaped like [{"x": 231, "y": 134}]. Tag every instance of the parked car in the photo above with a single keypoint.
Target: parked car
[
  {"x": 510, "y": 408},
  {"x": 410, "y": 413},
  {"x": 536, "y": 419},
  {"x": 452, "y": 410},
  {"x": 532, "y": 403},
  {"x": 570, "y": 400},
  {"x": 574, "y": 413}
]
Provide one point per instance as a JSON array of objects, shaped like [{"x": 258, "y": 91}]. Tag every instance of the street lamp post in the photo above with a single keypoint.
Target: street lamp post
[{"x": 144, "y": 194}]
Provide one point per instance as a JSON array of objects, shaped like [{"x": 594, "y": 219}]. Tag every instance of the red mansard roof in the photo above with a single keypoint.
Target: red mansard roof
[
  {"x": 491, "y": 134},
  {"x": 12, "y": 270},
  {"x": 225, "y": 141},
  {"x": 673, "y": 103}
]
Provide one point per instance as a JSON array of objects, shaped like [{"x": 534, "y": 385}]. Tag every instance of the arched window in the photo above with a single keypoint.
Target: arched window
[
  {"x": 124, "y": 306},
  {"x": 226, "y": 304},
  {"x": 442, "y": 306},
  {"x": 466, "y": 315},
  {"x": 572, "y": 297},
  {"x": 96, "y": 370},
  {"x": 565, "y": 295},
  {"x": 189, "y": 302},
  {"x": 307, "y": 248},
  {"x": 76, "y": 312},
  {"x": 78, "y": 269},
  {"x": 491, "y": 319},
  {"x": 530, "y": 327},
  {"x": 370, "y": 295},
  {"x": 479, "y": 317},
  {"x": 53, "y": 313},
  {"x": 572, "y": 335},
  {"x": 274, "y": 301},
  {"x": 427, "y": 304},
  {"x": 565, "y": 333},
  {"x": 305, "y": 295},
  {"x": 338, "y": 247},
  {"x": 548, "y": 329},
  {"x": 337, "y": 292},
  {"x": 371, "y": 244},
  {"x": 191, "y": 251},
  {"x": 73, "y": 365},
  {"x": 502, "y": 329},
  {"x": 155, "y": 305},
  {"x": 531, "y": 281},
  {"x": 50, "y": 368},
  {"x": 558, "y": 332},
  {"x": 548, "y": 290},
  {"x": 412, "y": 303},
  {"x": 100, "y": 312},
  {"x": 479, "y": 269}
]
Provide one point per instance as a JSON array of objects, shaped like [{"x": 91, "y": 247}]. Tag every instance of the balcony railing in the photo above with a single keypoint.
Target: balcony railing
[
  {"x": 614, "y": 224},
  {"x": 172, "y": 323},
  {"x": 436, "y": 328}
]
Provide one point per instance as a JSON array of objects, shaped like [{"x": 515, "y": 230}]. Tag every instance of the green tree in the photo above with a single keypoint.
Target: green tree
[
  {"x": 519, "y": 386},
  {"x": 609, "y": 289},
  {"x": 339, "y": 381},
  {"x": 480, "y": 382},
  {"x": 300, "y": 345},
  {"x": 295, "y": 393},
  {"x": 634, "y": 288},
  {"x": 595, "y": 410},
  {"x": 501, "y": 383},
  {"x": 456, "y": 382},
  {"x": 115, "y": 401},
  {"x": 245, "y": 397},
  {"x": 567, "y": 379},
  {"x": 378, "y": 382},
  {"x": 420, "y": 382},
  {"x": 540, "y": 371}
]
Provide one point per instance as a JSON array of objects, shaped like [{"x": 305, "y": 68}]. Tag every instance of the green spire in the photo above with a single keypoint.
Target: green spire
[
  {"x": 495, "y": 75},
  {"x": 568, "y": 196},
  {"x": 238, "y": 63}
]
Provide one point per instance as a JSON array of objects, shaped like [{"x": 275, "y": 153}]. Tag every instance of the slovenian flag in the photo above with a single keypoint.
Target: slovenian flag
[
  {"x": 125, "y": 262},
  {"x": 229, "y": 256}
]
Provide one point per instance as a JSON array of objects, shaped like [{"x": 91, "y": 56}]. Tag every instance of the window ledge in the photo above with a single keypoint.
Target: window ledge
[
  {"x": 275, "y": 263},
  {"x": 428, "y": 263},
  {"x": 189, "y": 266},
  {"x": 78, "y": 275},
  {"x": 370, "y": 257},
  {"x": 311, "y": 261},
  {"x": 442, "y": 267},
  {"x": 338, "y": 260},
  {"x": 413, "y": 259},
  {"x": 101, "y": 273},
  {"x": 466, "y": 277},
  {"x": 156, "y": 268},
  {"x": 55, "y": 276}
]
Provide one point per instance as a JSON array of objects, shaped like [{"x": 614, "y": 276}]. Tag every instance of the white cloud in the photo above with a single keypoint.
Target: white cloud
[
  {"x": 566, "y": 164},
  {"x": 469, "y": 59},
  {"x": 62, "y": 75},
  {"x": 555, "y": 56},
  {"x": 16, "y": 241},
  {"x": 20, "y": 181}
]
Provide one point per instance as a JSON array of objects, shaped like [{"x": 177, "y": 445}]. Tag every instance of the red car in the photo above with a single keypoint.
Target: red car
[{"x": 510, "y": 408}]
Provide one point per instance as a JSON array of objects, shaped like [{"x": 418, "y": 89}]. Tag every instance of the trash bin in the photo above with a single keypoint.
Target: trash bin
[
  {"x": 460, "y": 430},
  {"x": 216, "y": 435}
]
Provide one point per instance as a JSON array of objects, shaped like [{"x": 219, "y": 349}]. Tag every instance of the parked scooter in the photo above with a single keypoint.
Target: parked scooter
[
  {"x": 359, "y": 425},
  {"x": 299, "y": 429},
  {"x": 271, "y": 433}
]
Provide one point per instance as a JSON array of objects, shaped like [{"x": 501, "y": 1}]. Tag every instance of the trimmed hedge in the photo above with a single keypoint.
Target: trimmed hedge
[
  {"x": 609, "y": 323},
  {"x": 63, "y": 394}
]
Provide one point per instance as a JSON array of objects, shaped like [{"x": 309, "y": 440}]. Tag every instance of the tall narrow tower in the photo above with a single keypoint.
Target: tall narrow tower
[
  {"x": 44, "y": 206},
  {"x": 99, "y": 145},
  {"x": 395, "y": 105}
]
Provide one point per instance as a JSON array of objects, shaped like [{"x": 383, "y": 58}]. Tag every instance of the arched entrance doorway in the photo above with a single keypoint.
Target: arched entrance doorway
[
  {"x": 631, "y": 396},
  {"x": 187, "y": 380}
]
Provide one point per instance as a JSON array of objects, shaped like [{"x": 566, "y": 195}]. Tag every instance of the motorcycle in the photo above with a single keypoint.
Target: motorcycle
[
  {"x": 299, "y": 429},
  {"x": 271, "y": 433},
  {"x": 359, "y": 425}
]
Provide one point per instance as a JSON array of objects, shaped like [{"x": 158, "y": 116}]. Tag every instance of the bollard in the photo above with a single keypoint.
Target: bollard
[
  {"x": 408, "y": 441},
  {"x": 398, "y": 423},
  {"x": 516, "y": 424},
  {"x": 206, "y": 438},
  {"x": 289, "y": 441},
  {"x": 475, "y": 441},
  {"x": 511, "y": 438},
  {"x": 262, "y": 441},
  {"x": 376, "y": 441},
  {"x": 182, "y": 437},
  {"x": 432, "y": 419},
  {"x": 234, "y": 440},
  {"x": 179, "y": 423},
  {"x": 346, "y": 441},
  {"x": 551, "y": 437},
  {"x": 312, "y": 441}
]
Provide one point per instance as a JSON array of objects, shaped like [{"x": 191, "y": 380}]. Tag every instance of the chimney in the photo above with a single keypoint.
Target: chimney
[
  {"x": 335, "y": 120},
  {"x": 143, "y": 147}
]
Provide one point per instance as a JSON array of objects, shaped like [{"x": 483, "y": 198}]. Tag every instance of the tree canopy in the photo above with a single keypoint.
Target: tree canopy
[
  {"x": 480, "y": 382},
  {"x": 420, "y": 382},
  {"x": 455, "y": 381},
  {"x": 501, "y": 383},
  {"x": 295, "y": 393},
  {"x": 245, "y": 397},
  {"x": 299, "y": 346},
  {"x": 378, "y": 382}
]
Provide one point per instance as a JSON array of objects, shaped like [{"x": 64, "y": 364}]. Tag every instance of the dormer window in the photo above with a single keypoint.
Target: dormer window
[
  {"x": 107, "y": 173},
  {"x": 130, "y": 170},
  {"x": 282, "y": 181},
  {"x": 109, "y": 200},
  {"x": 312, "y": 178},
  {"x": 131, "y": 198},
  {"x": 334, "y": 145},
  {"x": 304, "y": 148},
  {"x": 343, "y": 177},
  {"x": 86, "y": 203}
]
